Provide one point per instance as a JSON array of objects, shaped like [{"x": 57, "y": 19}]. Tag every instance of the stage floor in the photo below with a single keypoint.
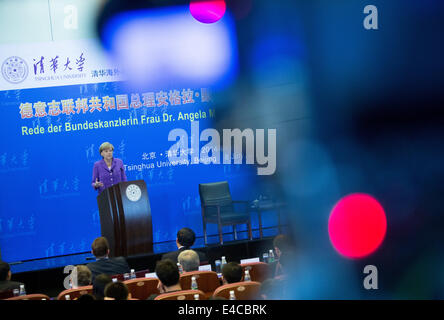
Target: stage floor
[
  {"x": 158, "y": 249},
  {"x": 73, "y": 259}
]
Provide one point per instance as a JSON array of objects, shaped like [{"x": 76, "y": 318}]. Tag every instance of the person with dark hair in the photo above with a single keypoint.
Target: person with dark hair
[
  {"x": 99, "y": 285},
  {"x": 282, "y": 245},
  {"x": 185, "y": 239},
  {"x": 168, "y": 275},
  {"x": 104, "y": 264},
  {"x": 5, "y": 278},
  {"x": 231, "y": 272},
  {"x": 116, "y": 291},
  {"x": 86, "y": 297}
]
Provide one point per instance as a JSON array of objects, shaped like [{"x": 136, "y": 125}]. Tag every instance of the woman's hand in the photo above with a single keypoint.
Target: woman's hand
[{"x": 98, "y": 184}]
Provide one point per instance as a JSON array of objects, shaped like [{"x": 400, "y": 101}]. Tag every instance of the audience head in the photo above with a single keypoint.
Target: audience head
[
  {"x": 185, "y": 237},
  {"x": 86, "y": 297},
  {"x": 168, "y": 275},
  {"x": 84, "y": 276},
  {"x": 99, "y": 285},
  {"x": 5, "y": 271},
  {"x": 117, "y": 291},
  {"x": 189, "y": 260},
  {"x": 232, "y": 272},
  {"x": 100, "y": 247},
  {"x": 281, "y": 243}
]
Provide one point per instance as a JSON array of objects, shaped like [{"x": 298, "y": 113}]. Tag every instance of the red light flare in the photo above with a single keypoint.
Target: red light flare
[{"x": 357, "y": 225}]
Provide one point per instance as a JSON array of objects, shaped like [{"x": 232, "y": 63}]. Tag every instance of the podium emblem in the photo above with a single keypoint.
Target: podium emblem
[{"x": 133, "y": 192}]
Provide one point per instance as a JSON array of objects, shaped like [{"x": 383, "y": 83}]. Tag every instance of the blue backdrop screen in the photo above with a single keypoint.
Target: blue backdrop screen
[{"x": 51, "y": 140}]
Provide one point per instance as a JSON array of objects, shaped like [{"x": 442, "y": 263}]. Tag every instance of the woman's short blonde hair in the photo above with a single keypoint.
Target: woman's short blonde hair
[
  {"x": 84, "y": 276},
  {"x": 104, "y": 146}
]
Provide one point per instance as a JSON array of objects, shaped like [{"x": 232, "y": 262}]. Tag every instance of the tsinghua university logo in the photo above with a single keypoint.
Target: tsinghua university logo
[{"x": 14, "y": 69}]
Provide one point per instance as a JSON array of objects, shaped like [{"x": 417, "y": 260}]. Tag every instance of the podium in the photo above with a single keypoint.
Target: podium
[{"x": 125, "y": 218}]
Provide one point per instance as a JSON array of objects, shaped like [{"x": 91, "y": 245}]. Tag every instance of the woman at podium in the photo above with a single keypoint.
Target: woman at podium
[{"x": 108, "y": 171}]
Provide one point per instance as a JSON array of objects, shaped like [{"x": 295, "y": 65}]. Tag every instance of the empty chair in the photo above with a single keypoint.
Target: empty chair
[
  {"x": 142, "y": 288},
  {"x": 75, "y": 293},
  {"x": 218, "y": 208},
  {"x": 245, "y": 290},
  {"x": 35, "y": 296},
  {"x": 181, "y": 295},
  {"x": 207, "y": 281},
  {"x": 259, "y": 271}
]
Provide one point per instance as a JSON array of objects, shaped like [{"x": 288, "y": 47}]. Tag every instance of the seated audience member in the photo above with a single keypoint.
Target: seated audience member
[
  {"x": 287, "y": 264},
  {"x": 99, "y": 284},
  {"x": 189, "y": 260},
  {"x": 84, "y": 276},
  {"x": 104, "y": 264},
  {"x": 232, "y": 272},
  {"x": 116, "y": 291},
  {"x": 168, "y": 275},
  {"x": 184, "y": 241},
  {"x": 5, "y": 278},
  {"x": 284, "y": 281},
  {"x": 281, "y": 244}
]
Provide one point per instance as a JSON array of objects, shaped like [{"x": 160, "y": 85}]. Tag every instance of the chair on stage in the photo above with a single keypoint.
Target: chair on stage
[
  {"x": 259, "y": 271},
  {"x": 35, "y": 296},
  {"x": 245, "y": 290},
  {"x": 75, "y": 293},
  {"x": 218, "y": 208},
  {"x": 207, "y": 281},
  {"x": 181, "y": 295},
  {"x": 263, "y": 205},
  {"x": 142, "y": 288}
]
